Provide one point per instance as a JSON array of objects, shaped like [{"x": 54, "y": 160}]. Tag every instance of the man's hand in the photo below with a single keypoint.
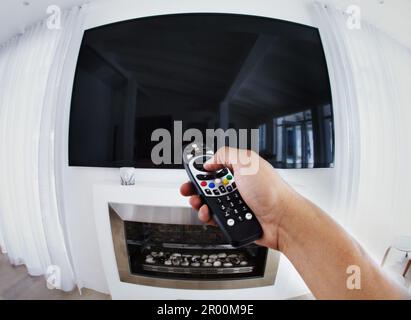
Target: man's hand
[
  {"x": 316, "y": 245},
  {"x": 264, "y": 191}
]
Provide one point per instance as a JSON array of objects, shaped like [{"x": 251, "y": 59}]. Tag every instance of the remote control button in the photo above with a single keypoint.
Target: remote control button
[
  {"x": 221, "y": 173},
  {"x": 240, "y": 201},
  {"x": 236, "y": 211},
  {"x": 211, "y": 185},
  {"x": 230, "y": 222},
  {"x": 222, "y": 189},
  {"x": 227, "y": 214},
  {"x": 228, "y": 198},
  {"x": 236, "y": 195},
  {"x": 217, "y": 193},
  {"x": 244, "y": 208},
  {"x": 240, "y": 218},
  {"x": 203, "y": 184},
  {"x": 198, "y": 163},
  {"x": 248, "y": 216},
  {"x": 217, "y": 181},
  {"x": 205, "y": 177},
  {"x": 219, "y": 199},
  {"x": 229, "y": 177},
  {"x": 234, "y": 185},
  {"x": 229, "y": 210},
  {"x": 223, "y": 207},
  {"x": 225, "y": 182},
  {"x": 229, "y": 189},
  {"x": 231, "y": 204},
  {"x": 208, "y": 191}
]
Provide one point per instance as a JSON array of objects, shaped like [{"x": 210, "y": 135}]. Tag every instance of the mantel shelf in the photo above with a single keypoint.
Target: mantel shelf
[{"x": 142, "y": 193}]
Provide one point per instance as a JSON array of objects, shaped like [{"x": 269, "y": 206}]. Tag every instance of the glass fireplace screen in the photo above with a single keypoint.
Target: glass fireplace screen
[{"x": 200, "y": 252}]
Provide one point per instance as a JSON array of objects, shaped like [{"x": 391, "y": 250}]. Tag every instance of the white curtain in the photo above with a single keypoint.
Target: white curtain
[
  {"x": 30, "y": 222},
  {"x": 2, "y": 246},
  {"x": 371, "y": 79}
]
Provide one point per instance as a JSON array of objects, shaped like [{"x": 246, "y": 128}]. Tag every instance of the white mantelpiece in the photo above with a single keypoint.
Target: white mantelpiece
[{"x": 288, "y": 282}]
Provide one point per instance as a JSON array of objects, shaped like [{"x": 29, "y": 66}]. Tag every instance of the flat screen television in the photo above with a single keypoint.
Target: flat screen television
[{"x": 207, "y": 71}]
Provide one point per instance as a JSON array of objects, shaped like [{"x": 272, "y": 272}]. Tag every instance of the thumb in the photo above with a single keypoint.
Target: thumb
[{"x": 224, "y": 157}]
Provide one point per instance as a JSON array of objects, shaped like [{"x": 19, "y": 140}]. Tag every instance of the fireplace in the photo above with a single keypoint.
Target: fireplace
[{"x": 168, "y": 247}]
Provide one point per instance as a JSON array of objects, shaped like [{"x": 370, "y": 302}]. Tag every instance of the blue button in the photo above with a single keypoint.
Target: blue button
[{"x": 211, "y": 185}]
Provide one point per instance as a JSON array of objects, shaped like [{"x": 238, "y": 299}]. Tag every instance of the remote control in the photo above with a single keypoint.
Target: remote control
[{"x": 219, "y": 191}]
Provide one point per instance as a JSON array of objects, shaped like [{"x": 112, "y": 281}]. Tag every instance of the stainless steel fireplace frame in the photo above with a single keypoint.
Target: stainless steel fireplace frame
[{"x": 123, "y": 263}]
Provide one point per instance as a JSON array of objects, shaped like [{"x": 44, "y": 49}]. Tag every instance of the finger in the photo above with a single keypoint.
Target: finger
[
  {"x": 224, "y": 157},
  {"x": 187, "y": 189},
  {"x": 232, "y": 158},
  {"x": 211, "y": 166},
  {"x": 260, "y": 243},
  {"x": 195, "y": 202},
  {"x": 204, "y": 215}
]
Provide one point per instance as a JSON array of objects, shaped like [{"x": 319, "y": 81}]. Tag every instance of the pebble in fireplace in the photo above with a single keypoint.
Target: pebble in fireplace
[{"x": 185, "y": 260}]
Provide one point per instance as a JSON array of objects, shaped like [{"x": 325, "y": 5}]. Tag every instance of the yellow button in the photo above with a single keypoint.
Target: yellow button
[{"x": 225, "y": 182}]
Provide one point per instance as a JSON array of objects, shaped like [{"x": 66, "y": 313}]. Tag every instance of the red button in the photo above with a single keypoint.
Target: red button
[{"x": 203, "y": 183}]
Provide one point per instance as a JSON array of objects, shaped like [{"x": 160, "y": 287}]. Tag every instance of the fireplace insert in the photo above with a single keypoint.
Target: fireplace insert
[
  {"x": 164, "y": 246},
  {"x": 189, "y": 252}
]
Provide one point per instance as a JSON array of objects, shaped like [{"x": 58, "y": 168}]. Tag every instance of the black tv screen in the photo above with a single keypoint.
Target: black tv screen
[{"x": 208, "y": 71}]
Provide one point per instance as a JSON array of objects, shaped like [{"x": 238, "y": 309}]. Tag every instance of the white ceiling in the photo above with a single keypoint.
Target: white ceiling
[
  {"x": 392, "y": 16},
  {"x": 15, "y": 15}
]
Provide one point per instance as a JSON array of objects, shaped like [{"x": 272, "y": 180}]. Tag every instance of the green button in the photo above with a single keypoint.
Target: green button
[{"x": 229, "y": 177}]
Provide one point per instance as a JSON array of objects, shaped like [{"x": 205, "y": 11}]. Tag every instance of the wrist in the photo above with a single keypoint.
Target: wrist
[
  {"x": 277, "y": 218},
  {"x": 294, "y": 210}
]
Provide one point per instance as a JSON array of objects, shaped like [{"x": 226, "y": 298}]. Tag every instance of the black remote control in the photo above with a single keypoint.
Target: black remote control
[{"x": 219, "y": 191}]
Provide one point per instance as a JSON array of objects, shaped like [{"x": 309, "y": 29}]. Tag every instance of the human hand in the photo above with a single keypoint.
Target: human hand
[
  {"x": 316, "y": 245},
  {"x": 264, "y": 191}
]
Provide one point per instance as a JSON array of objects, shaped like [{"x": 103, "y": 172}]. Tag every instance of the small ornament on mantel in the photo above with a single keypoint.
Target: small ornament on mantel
[{"x": 127, "y": 176}]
